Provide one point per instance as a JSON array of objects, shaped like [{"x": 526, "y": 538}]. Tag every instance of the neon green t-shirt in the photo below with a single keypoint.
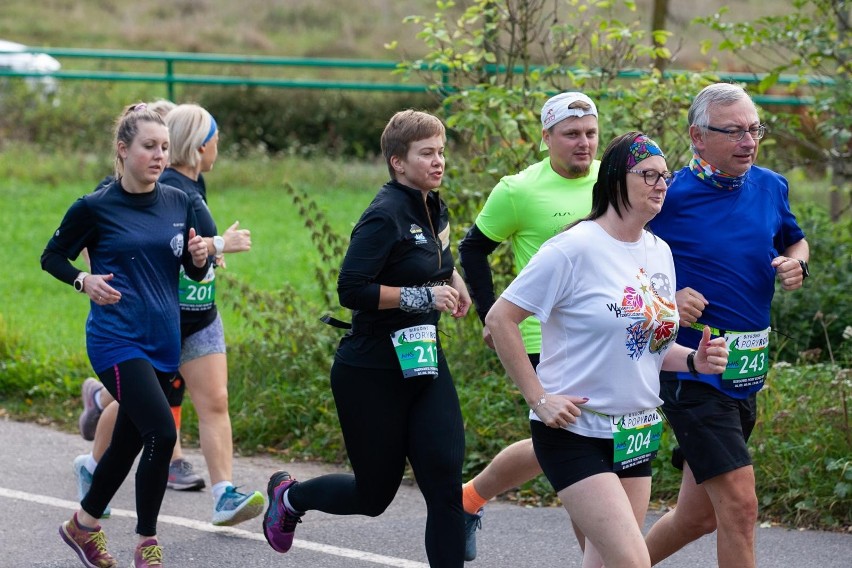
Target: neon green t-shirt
[{"x": 527, "y": 209}]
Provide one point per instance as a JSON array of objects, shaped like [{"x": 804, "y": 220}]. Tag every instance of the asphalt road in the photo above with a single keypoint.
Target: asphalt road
[{"x": 37, "y": 493}]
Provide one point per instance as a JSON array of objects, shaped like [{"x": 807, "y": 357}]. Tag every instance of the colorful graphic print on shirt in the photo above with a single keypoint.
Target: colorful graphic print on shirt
[{"x": 650, "y": 307}]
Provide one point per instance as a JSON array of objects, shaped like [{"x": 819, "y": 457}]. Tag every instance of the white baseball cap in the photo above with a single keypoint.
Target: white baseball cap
[{"x": 556, "y": 109}]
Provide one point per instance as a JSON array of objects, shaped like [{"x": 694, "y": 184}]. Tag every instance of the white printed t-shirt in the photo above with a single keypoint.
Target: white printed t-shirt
[{"x": 608, "y": 315}]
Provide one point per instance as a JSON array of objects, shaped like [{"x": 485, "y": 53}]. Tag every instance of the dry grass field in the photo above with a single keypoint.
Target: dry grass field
[{"x": 301, "y": 28}]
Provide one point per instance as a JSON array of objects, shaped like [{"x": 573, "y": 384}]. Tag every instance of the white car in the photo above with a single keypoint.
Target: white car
[{"x": 12, "y": 57}]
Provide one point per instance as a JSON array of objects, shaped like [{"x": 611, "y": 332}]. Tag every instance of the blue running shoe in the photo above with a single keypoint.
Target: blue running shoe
[
  {"x": 234, "y": 507},
  {"x": 84, "y": 481},
  {"x": 471, "y": 524},
  {"x": 279, "y": 523}
]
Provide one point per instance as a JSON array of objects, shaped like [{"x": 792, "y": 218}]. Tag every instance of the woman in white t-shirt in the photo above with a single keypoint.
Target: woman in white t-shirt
[{"x": 604, "y": 293}]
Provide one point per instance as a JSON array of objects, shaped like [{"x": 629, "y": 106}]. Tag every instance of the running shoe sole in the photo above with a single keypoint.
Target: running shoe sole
[{"x": 250, "y": 508}]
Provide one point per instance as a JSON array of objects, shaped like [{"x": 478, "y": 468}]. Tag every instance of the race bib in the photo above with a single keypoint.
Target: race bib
[
  {"x": 748, "y": 358},
  {"x": 417, "y": 350},
  {"x": 636, "y": 438},
  {"x": 197, "y": 296}
]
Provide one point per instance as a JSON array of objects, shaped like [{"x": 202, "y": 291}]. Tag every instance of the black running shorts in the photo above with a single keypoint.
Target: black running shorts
[
  {"x": 566, "y": 457},
  {"x": 711, "y": 427}
]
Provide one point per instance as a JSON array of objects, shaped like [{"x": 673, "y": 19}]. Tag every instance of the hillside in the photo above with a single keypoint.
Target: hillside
[{"x": 307, "y": 28}]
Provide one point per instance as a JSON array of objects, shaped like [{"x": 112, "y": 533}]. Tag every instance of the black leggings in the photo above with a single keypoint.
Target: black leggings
[
  {"x": 386, "y": 419},
  {"x": 144, "y": 422}
]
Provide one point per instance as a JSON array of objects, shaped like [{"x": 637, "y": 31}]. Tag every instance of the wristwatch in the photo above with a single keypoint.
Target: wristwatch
[
  {"x": 219, "y": 245},
  {"x": 805, "y": 271},
  {"x": 690, "y": 363},
  {"x": 78, "y": 282}
]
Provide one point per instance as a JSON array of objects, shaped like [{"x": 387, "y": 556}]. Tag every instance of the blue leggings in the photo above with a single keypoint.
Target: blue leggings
[
  {"x": 386, "y": 419},
  {"x": 144, "y": 422}
]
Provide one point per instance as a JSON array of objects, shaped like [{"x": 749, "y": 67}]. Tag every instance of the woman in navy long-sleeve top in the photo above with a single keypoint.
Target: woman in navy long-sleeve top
[{"x": 138, "y": 234}]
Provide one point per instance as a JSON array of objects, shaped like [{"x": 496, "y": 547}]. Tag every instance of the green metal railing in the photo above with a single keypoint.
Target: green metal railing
[{"x": 171, "y": 78}]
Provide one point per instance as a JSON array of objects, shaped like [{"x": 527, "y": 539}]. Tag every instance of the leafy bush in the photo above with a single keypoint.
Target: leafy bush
[
  {"x": 79, "y": 116},
  {"x": 812, "y": 320},
  {"x": 306, "y": 122},
  {"x": 280, "y": 400},
  {"x": 38, "y": 387},
  {"x": 801, "y": 447}
]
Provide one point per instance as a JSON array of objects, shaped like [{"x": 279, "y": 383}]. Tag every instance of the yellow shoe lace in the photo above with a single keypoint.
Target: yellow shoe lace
[
  {"x": 153, "y": 555},
  {"x": 99, "y": 538}
]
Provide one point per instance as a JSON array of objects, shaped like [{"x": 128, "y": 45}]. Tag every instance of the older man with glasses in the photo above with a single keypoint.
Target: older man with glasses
[{"x": 732, "y": 234}]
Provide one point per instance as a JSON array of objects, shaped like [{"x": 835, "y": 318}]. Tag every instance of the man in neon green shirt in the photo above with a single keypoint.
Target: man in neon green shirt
[{"x": 527, "y": 209}]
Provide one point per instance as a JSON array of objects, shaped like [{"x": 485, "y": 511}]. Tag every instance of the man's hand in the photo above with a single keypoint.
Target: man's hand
[
  {"x": 690, "y": 305},
  {"x": 789, "y": 272}
]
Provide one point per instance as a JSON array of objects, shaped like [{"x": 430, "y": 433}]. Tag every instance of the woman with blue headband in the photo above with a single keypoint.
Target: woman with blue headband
[
  {"x": 203, "y": 363},
  {"x": 194, "y": 139},
  {"x": 603, "y": 290}
]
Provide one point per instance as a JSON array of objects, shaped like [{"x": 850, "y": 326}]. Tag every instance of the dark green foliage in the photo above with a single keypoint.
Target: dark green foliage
[
  {"x": 280, "y": 399},
  {"x": 35, "y": 375},
  {"x": 35, "y": 386},
  {"x": 278, "y": 377},
  {"x": 76, "y": 117},
  {"x": 801, "y": 448},
  {"x": 811, "y": 321},
  {"x": 306, "y": 122}
]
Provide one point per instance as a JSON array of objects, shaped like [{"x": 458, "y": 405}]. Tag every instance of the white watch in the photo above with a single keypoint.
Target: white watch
[
  {"x": 78, "y": 282},
  {"x": 219, "y": 245}
]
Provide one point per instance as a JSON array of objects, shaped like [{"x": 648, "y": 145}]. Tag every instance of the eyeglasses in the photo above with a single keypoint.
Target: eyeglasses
[
  {"x": 652, "y": 177},
  {"x": 757, "y": 132}
]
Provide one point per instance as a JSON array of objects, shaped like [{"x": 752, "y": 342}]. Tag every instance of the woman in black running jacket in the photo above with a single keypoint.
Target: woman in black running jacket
[{"x": 393, "y": 390}]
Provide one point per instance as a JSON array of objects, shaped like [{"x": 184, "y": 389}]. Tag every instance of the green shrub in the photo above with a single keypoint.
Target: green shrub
[
  {"x": 305, "y": 122},
  {"x": 79, "y": 116},
  {"x": 801, "y": 448},
  {"x": 36, "y": 387},
  {"x": 280, "y": 400},
  {"x": 812, "y": 320}
]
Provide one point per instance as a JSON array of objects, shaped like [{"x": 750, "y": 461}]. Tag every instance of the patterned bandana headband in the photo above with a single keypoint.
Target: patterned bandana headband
[{"x": 642, "y": 148}]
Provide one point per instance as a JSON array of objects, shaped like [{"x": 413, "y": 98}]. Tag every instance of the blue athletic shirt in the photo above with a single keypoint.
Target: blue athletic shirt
[
  {"x": 723, "y": 242},
  {"x": 141, "y": 239}
]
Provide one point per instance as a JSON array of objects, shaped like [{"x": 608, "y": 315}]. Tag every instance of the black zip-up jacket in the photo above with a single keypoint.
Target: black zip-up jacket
[{"x": 398, "y": 241}]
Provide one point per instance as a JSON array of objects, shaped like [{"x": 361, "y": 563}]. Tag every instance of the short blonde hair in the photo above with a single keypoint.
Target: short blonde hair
[{"x": 189, "y": 125}]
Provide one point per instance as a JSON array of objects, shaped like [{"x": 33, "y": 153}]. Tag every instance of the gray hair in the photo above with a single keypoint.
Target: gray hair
[{"x": 717, "y": 94}]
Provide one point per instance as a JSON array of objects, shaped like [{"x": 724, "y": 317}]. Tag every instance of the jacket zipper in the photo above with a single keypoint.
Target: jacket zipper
[{"x": 434, "y": 233}]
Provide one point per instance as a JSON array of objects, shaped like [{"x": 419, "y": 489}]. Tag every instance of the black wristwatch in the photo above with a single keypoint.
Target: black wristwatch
[
  {"x": 690, "y": 363},
  {"x": 805, "y": 271}
]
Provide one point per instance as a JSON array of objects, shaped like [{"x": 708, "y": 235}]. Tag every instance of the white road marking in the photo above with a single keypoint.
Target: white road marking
[{"x": 230, "y": 531}]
